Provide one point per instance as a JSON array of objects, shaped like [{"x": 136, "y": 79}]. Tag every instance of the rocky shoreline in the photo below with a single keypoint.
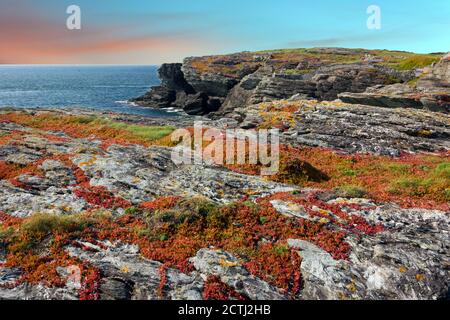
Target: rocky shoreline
[
  {"x": 217, "y": 85},
  {"x": 358, "y": 210}
]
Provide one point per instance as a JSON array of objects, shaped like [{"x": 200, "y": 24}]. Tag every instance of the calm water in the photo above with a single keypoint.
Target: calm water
[{"x": 98, "y": 87}]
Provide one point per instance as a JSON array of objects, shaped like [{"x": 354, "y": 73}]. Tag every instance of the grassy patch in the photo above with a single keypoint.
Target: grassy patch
[
  {"x": 149, "y": 133},
  {"x": 416, "y": 62},
  {"x": 36, "y": 228},
  {"x": 433, "y": 182},
  {"x": 351, "y": 191}
]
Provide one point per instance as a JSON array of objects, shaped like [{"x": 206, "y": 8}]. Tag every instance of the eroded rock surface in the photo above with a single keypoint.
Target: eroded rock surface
[
  {"x": 431, "y": 92},
  {"x": 393, "y": 252},
  {"x": 403, "y": 262},
  {"x": 359, "y": 128},
  {"x": 230, "y": 271},
  {"x": 219, "y": 84}
]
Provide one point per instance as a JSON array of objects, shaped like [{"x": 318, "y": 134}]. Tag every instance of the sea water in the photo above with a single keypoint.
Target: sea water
[{"x": 106, "y": 88}]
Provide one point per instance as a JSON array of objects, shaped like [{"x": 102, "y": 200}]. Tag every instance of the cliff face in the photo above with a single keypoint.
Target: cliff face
[
  {"x": 220, "y": 84},
  {"x": 431, "y": 91}
]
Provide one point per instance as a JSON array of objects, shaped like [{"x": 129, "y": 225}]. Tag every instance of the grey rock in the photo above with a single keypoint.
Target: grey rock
[
  {"x": 374, "y": 130},
  {"x": 157, "y": 97},
  {"x": 173, "y": 78},
  {"x": 196, "y": 104},
  {"x": 402, "y": 262},
  {"x": 228, "y": 269},
  {"x": 126, "y": 274},
  {"x": 115, "y": 289},
  {"x": 432, "y": 92}
]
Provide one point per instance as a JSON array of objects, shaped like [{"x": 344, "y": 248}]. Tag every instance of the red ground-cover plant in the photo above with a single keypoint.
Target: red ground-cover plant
[
  {"x": 160, "y": 203},
  {"x": 101, "y": 197},
  {"x": 10, "y": 137},
  {"x": 40, "y": 269},
  {"x": 7, "y": 220},
  {"x": 279, "y": 265},
  {"x": 332, "y": 212},
  {"x": 411, "y": 180},
  {"x": 215, "y": 289},
  {"x": 254, "y": 232},
  {"x": 55, "y": 138},
  {"x": 162, "y": 280},
  {"x": 85, "y": 127},
  {"x": 35, "y": 245},
  {"x": 10, "y": 171},
  {"x": 90, "y": 286}
]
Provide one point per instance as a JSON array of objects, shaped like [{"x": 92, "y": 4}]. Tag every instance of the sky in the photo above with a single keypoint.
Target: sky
[{"x": 153, "y": 32}]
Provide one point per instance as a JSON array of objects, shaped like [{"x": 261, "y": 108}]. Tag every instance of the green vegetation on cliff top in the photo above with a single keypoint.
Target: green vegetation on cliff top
[{"x": 286, "y": 59}]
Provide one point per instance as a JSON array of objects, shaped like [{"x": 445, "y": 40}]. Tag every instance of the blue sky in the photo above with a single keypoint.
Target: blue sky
[{"x": 149, "y": 31}]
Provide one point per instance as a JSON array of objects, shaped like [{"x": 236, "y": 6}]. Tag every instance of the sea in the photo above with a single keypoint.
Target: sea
[{"x": 101, "y": 87}]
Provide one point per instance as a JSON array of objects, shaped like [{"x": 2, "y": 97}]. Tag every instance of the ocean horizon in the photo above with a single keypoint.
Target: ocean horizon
[{"x": 100, "y": 87}]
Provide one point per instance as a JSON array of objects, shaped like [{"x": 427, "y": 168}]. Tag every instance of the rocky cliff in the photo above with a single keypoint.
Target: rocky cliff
[
  {"x": 93, "y": 205},
  {"x": 217, "y": 85}
]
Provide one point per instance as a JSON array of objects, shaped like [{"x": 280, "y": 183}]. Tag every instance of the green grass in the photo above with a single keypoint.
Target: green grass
[
  {"x": 43, "y": 224},
  {"x": 186, "y": 210},
  {"x": 84, "y": 119},
  {"x": 348, "y": 172},
  {"x": 351, "y": 191},
  {"x": 443, "y": 170},
  {"x": 150, "y": 133},
  {"x": 413, "y": 82},
  {"x": 40, "y": 226},
  {"x": 6, "y": 233},
  {"x": 398, "y": 168},
  {"x": 281, "y": 249},
  {"x": 416, "y": 62},
  {"x": 436, "y": 181}
]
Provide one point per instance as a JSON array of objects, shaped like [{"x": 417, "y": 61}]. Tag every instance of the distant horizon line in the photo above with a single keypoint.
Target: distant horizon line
[
  {"x": 220, "y": 54},
  {"x": 76, "y": 65}
]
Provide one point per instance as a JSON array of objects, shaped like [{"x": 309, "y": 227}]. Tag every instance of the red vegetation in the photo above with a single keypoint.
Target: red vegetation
[
  {"x": 160, "y": 203},
  {"x": 278, "y": 265},
  {"x": 163, "y": 280},
  {"x": 331, "y": 212},
  {"x": 214, "y": 289},
  {"x": 9, "y": 221},
  {"x": 54, "y": 138},
  {"x": 100, "y": 196},
  {"x": 256, "y": 233},
  {"x": 90, "y": 285},
  {"x": 409, "y": 180}
]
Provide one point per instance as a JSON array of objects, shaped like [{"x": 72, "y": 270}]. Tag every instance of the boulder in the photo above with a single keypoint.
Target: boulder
[
  {"x": 230, "y": 271},
  {"x": 157, "y": 97},
  {"x": 173, "y": 78},
  {"x": 196, "y": 104}
]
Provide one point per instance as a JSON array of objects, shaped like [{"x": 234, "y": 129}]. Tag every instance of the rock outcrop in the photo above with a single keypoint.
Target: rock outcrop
[
  {"x": 358, "y": 208},
  {"x": 218, "y": 84},
  {"x": 353, "y": 128},
  {"x": 341, "y": 245},
  {"x": 432, "y": 91}
]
